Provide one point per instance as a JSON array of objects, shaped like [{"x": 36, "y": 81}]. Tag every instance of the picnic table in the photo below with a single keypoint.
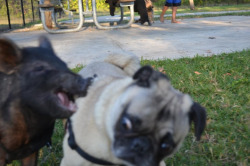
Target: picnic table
[{"x": 50, "y": 8}]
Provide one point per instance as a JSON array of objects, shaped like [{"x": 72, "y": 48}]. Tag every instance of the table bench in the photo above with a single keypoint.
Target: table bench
[{"x": 55, "y": 8}]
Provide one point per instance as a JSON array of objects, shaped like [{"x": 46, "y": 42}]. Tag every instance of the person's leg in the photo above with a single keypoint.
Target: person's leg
[
  {"x": 164, "y": 9},
  {"x": 174, "y": 10}
]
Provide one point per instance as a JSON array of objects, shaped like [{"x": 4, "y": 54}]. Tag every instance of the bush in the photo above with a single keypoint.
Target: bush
[{"x": 100, "y": 4}]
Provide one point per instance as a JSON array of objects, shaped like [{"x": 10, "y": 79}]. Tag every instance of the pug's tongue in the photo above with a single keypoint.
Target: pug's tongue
[{"x": 66, "y": 102}]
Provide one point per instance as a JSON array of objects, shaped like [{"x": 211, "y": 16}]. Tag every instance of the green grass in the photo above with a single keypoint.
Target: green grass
[
  {"x": 51, "y": 156},
  {"x": 221, "y": 84},
  {"x": 215, "y": 15},
  {"x": 222, "y": 8},
  {"x": 77, "y": 68},
  {"x": 186, "y": 9},
  {"x": 207, "y": 15}
]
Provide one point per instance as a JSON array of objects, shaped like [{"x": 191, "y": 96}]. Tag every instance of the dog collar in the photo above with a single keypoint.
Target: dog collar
[{"x": 73, "y": 145}]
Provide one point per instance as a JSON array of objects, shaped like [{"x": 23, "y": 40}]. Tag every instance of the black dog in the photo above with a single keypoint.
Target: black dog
[
  {"x": 36, "y": 88},
  {"x": 143, "y": 7},
  {"x": 112, "y": 5},
  {"x": 145, "y": 10}
]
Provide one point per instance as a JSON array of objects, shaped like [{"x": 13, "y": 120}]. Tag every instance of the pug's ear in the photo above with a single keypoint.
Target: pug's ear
[
  {"x": 142, "y": 76},
  {"x": 197, "y": 114},
  {"x": 10, "y": 56}
]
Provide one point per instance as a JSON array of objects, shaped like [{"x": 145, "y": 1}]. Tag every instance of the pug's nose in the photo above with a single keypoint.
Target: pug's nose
[{"x": 140, "y": 145}]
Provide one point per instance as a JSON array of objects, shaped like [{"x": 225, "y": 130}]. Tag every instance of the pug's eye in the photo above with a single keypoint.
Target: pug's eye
[
  {"x": 167, "y": 143},
  {"x": 126, "y": 124},
  {"x": 165, "y": 146}
]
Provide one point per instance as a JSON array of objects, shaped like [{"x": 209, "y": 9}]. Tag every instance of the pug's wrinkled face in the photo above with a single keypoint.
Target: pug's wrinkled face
[{"x": 154, "y": 120}]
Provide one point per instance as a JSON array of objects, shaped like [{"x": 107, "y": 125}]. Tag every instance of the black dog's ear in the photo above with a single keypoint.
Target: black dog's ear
[
  {"x": 198, "y": 116},
  {"x": 45, "y": 43},
  {"x": 10, "y": 56},
  {"x": 142, "y": 76}
]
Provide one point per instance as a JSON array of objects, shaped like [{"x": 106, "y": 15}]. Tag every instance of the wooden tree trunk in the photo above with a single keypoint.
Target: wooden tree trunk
[
  {"x": 48, "y": 17},
  {"x": 191, "y": 2}
]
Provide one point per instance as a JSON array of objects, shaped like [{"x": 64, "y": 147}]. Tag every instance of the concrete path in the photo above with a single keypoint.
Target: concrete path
[
  {"x": 117, "y": 17},
  {"x": 203, "y": 36}
]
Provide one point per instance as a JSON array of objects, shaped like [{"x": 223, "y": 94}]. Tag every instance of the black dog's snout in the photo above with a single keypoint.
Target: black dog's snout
[
  {"x": 84, "y": 84},
  {"x": 140, "y": 145},
  {"x": 88, "y": 81}
]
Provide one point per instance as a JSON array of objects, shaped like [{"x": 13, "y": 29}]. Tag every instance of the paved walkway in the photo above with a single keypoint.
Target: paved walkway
[
  {"x": 203, "y": 36},
  {"x": 117, "y": 17}
]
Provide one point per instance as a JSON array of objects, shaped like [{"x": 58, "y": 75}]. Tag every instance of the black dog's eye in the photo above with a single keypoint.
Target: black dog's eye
[
  {"x": 38, "y": 69},
  {"x": 126, "y": 124}
]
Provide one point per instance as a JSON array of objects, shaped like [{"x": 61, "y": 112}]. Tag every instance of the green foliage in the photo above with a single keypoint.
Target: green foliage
[
  {"x": 2, "y": 8},
  {"x": 15, "y": 12},
  {"x": 77, "y": 68},
  {"x": 15, "y": 8},
  {"x": 100, "y": 4}
]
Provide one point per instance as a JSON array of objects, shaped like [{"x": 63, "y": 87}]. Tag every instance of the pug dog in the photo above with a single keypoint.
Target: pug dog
[{"x": 131, "y": 116}]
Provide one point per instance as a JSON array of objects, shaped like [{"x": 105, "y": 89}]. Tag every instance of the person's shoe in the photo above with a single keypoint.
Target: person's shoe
[
  {"x": 175, "y": 21},
  {"x": 162, "y": 19}
]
